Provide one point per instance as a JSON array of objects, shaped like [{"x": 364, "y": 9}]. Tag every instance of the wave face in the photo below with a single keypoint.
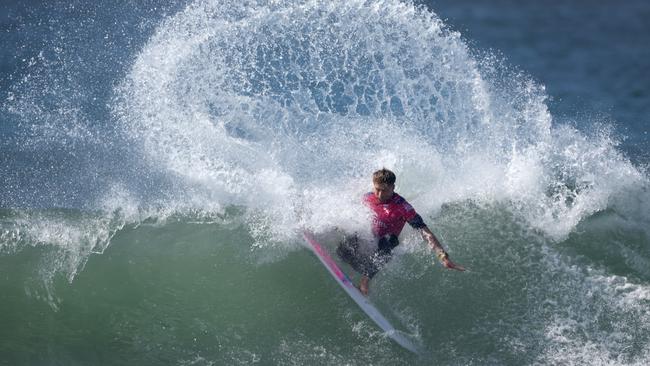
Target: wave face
[{"x": 238, "y": 123}]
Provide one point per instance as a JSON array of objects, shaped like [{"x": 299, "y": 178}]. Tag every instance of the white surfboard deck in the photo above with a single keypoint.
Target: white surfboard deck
[{"x": 356, "y": 295}]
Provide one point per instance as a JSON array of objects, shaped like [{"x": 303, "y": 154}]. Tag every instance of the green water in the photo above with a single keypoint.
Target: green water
[{"x": 181, "y": 292}]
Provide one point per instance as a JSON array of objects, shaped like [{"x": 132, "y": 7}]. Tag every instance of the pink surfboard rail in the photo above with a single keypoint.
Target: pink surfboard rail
[{"x": 356, "y": 295}]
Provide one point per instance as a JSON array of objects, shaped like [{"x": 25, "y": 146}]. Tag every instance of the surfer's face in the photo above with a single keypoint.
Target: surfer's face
[{"x": 384, "y": 191}]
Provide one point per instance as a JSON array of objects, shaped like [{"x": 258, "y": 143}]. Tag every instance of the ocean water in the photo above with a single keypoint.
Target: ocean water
[{"x": 158, "y": 164}]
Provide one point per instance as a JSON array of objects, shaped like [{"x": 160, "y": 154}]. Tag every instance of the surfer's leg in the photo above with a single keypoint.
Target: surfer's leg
[
  {"x": 347, "y": 248},
  {"x": 372, "y": 265},
  {"x": 348, "y": 251},
  {"x": 368, "y": 270},
  {"x": 364, "y": 284},
  {"x": 385, "y": 246}
]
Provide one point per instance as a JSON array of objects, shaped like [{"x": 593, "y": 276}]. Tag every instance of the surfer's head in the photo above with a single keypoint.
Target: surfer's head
[
  {"x": 384, "y": 176},
  {"x": 383, "y": 181}
]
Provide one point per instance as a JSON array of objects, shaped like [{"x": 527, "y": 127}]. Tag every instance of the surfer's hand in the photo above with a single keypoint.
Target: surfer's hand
[
  {"x": 443, "y": 257},
  {"x": 451, "y": 265}
]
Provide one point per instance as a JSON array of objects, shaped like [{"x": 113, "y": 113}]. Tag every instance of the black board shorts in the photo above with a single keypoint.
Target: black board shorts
[{"x": 367, "y": 264}]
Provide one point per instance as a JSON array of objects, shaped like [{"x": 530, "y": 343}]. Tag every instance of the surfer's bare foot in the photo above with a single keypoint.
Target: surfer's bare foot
[{"x": 363, "y": 285}]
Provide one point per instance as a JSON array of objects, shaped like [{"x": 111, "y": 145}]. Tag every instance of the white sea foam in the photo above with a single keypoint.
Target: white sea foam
[{"x": 286, "y": 108}]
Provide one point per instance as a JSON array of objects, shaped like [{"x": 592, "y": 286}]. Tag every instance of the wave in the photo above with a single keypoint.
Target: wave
[
  {"x": 287, "y": 107},
  {"x": 283, "y": 109},
  {"x": 270, "y": 116}
]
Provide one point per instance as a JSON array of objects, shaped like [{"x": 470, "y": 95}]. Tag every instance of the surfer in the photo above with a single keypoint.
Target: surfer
[{"x": 391, "y": 213}]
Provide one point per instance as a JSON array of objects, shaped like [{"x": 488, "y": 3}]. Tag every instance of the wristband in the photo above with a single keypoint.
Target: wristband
[{"x": 442, "y": 255}]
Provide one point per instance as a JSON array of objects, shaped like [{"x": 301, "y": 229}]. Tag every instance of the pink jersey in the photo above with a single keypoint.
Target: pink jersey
[{"x": 391, "y": 216}]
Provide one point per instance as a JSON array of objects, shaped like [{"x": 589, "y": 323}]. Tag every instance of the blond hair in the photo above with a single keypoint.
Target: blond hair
[{"x": 383, "y": 176}]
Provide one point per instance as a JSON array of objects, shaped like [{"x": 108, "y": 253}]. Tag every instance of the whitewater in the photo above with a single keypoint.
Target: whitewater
[{"x": 156, "y": 218}]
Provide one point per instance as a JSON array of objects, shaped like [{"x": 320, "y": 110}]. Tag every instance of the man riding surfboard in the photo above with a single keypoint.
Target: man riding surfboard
[{"x": 390, "y": 213}]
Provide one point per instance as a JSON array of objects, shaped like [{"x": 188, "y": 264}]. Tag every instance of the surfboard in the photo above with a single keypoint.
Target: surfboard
[{"x": 356, "y": 295}]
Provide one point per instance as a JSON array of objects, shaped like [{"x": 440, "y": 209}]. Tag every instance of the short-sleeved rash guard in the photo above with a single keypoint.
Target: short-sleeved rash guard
[{"x": 391, "y": 216}]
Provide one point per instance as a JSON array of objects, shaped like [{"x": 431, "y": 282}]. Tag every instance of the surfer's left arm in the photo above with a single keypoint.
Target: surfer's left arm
[{"x": 437, "y": 248}]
